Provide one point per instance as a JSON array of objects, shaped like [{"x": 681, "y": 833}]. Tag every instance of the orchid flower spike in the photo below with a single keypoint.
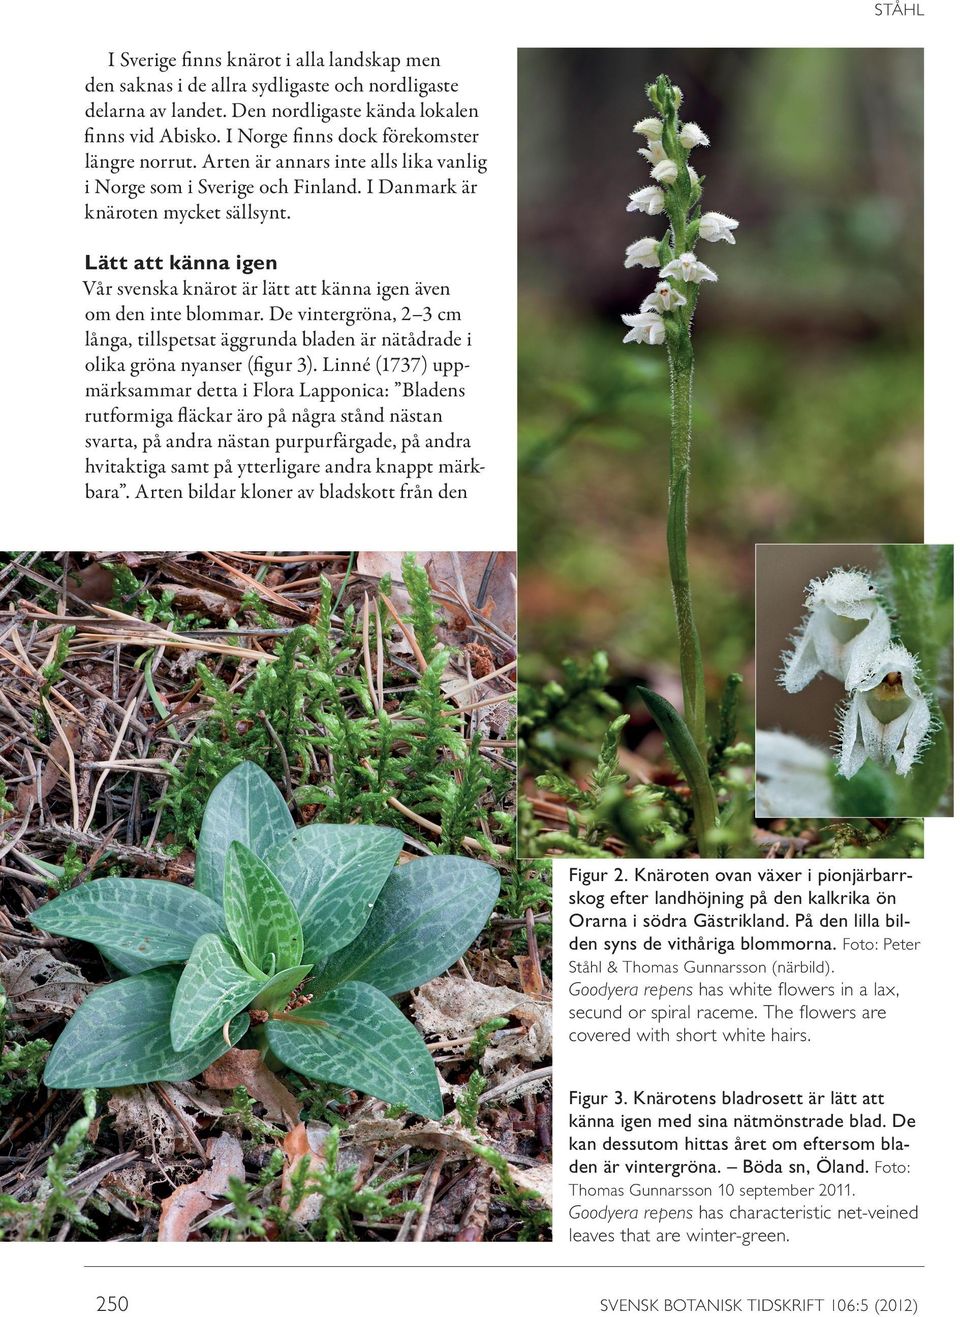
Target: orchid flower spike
[
  {"x": 649, "y": 199},
  {"x": 689, "y": 269},
  {"x": 663, "y": 298},
  {"x": 715, "y": 227},
  {"x": 888, "y": 718},
  {"x": 846, "y": 628},
  {"x": 645, "y": 252},
  {"x": 646, "y": 327},
  {"x": 691, "y": 135}
]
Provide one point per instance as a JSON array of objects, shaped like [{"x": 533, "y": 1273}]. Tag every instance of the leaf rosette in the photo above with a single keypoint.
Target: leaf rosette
[{"x": 299, "y": 936}]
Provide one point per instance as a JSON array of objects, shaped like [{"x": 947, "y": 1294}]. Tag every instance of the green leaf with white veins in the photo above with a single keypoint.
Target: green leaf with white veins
[
  {"x": 121, "y": 1035},
  {"x": 425, "y": 918},
  {"x": 333, "y": 874},
  {"x": 260, "y": 916},
  {"x": 355, "y": 1036},
  {"x": 139, "y": 921},
  {"x": 246, "y": 806},
  {"x": 212, "y": 988}
]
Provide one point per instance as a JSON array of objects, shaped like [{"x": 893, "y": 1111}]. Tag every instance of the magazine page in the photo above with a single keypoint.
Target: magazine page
[{"x": 476, "y": 660}]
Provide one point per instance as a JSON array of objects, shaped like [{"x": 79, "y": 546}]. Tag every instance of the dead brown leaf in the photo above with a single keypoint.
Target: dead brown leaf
[
  {"x": 189, "y": 1201},
  {"x": 499, "y": 591},
  {"x": 539, "y": 1179},
  {"x": 451, "y": 1007},
  {"x": 36, "y": 983},
  {"x": 55, "y": 769},
  {"x": 246, "y": 1066},
  {"x": 308, "y": 1141},
  {"x": 142, "y": 1119}
]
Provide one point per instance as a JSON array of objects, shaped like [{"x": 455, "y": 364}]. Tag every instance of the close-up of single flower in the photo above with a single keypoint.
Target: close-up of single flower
[
  {"x": 645, "y": 327},
  {"x": 649, "y": 200},
  {"x": 663, "y": 298},
  {"x": 645, "y": 252},
  {"x": 689, "y": 269},
  {"x": 846, "y": 626},
  {"x": 691, "y": 135},
  {"x": 715, "y": 227},
  {"x": 888, "y": 718}
]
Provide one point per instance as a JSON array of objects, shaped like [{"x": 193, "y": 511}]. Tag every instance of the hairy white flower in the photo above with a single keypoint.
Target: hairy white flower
[
  {"x": 652, "y": 129},
  {"x": 888, "y": 717},
  {"x": 663, "y": 298},
  {"x": 694, "y": 176},
  {"x": 846, "y": 628},
  {"x": 792, "y": 778},
  {"x": 646, "y": 327},
  {"x": 691, "y": 135},
  {"x": 645, "y": 252},
  {"x": 649, "y": 199},
  {"x": 654, "y": 154},
  {"x": 715, "y": 227},
  {"x": 689, "y": 269},
  {"x": 665, "y": 172}
]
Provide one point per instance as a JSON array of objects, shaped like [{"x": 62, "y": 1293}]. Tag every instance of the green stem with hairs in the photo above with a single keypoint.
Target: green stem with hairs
[{"x": 691, "y": 663}]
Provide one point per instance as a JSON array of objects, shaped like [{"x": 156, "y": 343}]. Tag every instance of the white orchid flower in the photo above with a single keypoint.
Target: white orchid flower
[
  {"x": 888, "y": 718},
  {"x": 649, "y": 199},
  {"x": 654, "y": 154},
  {"x": 652, "y": 129},
  {"x": 846, "y": 628},
  {"x": 665, "y": 172},
  {"x": 663, "y": 298},
  {"x": 645, "y": 252},
  {"x": 715, "y": 227},
  {"x": 646, "y": 327},
  {"x": 793, "y": 778},
  {"x": 691, "y": 135},
  {"x": 689, "y": 269}
]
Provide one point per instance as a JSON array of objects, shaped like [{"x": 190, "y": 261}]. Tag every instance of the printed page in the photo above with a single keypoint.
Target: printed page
[{"x": 477, "y": 660}]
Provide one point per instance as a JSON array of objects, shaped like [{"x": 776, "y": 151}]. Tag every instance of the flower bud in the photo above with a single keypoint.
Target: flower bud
[
  {"x": 649, "y": 199},
  {"x": 665, "y": 172},
  {"x": 651, "y": 128},
  {"x": 715, "y": 227},
  {"x": 645, "y": 252},
  {"x": 691, "y": 135}
]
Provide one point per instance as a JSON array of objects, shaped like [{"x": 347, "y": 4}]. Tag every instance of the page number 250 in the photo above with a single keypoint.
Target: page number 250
[{"x": 112, "y": 1303}]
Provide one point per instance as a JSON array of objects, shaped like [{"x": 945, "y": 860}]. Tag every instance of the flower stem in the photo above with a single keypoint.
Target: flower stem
[{"x": 691, "y": 664}]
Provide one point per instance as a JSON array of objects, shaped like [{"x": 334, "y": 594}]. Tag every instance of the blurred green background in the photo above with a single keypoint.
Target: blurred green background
[{"x": 808, "y": 350}]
